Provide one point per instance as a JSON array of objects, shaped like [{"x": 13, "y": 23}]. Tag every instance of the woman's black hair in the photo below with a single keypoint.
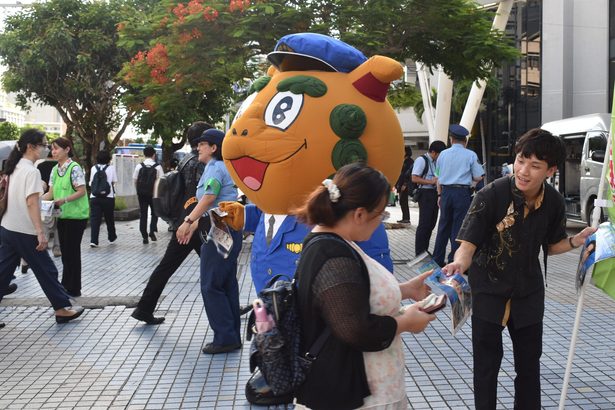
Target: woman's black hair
[
  {"x": 103, "y": 157},
  {"x": 64, "y": 143},
  {"x": 30, "y": 136},
  {"x": 360, "y": 186}
]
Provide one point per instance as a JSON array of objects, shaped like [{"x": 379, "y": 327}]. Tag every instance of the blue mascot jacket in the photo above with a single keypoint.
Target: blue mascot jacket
[{"x": 282, "y": 255}]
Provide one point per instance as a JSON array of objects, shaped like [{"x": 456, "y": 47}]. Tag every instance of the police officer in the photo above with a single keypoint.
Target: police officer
[
  {"x": 457, "y": 168},
  {"x": 424, "y": 175}
]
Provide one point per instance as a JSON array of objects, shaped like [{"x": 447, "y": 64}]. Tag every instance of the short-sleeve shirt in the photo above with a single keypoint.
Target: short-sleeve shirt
[
  {"x": 149, "y": 162},
  {"x": 458, "y": 165},
  {"x": 77, "y": 177},
  {"x": 111, "y": 177},
  {"x": 508, "y": 237},
  {"x": 23, "y": 182},
  {"x": 419, "y": 168},
  {"x": 216, "y": 181}
]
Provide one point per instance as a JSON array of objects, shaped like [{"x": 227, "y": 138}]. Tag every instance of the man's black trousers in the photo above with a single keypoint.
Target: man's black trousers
[
  {"x": 145, "y": 203},
  {"x": 173, "y": 257},
  {"x": 428, "y": 216},
  {"x": 488, "y": 351},
  {"x": 403, "y": 204}
]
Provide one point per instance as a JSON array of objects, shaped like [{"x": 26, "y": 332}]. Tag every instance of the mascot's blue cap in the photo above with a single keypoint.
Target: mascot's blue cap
[{"x": 334, "y": 54}]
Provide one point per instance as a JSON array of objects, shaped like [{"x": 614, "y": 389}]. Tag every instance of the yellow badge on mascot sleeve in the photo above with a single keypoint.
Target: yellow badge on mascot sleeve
[{"x": 323, "y": 105}]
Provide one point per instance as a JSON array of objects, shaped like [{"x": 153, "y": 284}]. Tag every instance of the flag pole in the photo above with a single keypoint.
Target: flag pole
[{"x": 598, "y": 203}]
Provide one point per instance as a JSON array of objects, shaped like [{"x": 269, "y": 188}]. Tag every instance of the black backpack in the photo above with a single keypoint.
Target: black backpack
[
  {"x": 147, "y": 179},
  {"x": 169, "y": 193},
  {"x": 277, "y": 353},
  {"x": 413, "y": 189},
  {"x": 100, "y": 187}
]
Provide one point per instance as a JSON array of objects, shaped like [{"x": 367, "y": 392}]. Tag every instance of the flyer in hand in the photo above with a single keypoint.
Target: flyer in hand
[
  {"x": 455, "y": 287},
  {"x": 219, "y": 232}
]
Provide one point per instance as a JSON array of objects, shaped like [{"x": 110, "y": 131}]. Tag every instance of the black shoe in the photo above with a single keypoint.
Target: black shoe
[
  {"x": 111, "y": 240},
  {"x": 145, "y": 241},
  {"x": 74, "y": 294},
  {"x": 403, "y": 221},
  {"x": 148, "y": 318},
  {"x": 2, "y": 325},
  {"x": 152, "y": 236},
  {"x": 24, "y": 268},
  {"x": 65, "y": 319},
  {"x": 244, "y": 309},
  {"x": 11, "y": 288},
  {"x": 211, "y": 348}
]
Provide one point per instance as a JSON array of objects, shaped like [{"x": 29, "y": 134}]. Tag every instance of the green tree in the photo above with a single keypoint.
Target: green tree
[
  {"x": 8, "y": 131},
  {"x": 187, "y": 56},
  {"x": 64, "y": 53}
]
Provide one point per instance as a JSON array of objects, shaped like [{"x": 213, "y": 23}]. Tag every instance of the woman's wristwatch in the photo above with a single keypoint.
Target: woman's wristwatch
[{"x": 188, "y": 220}]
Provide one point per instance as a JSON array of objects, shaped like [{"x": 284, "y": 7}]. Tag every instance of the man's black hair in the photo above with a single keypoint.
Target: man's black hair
[
  {"x": 544, "y": 145},
  {"x": 149, "y": 151},
  {"x": 437, "y": 147}
]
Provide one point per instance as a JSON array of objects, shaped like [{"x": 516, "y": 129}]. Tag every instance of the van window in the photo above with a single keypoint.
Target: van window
[{"x": 597, "y": 146}]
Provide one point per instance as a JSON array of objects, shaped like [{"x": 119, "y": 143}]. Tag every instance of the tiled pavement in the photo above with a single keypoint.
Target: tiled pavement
[{"x": 106, "y": 359}]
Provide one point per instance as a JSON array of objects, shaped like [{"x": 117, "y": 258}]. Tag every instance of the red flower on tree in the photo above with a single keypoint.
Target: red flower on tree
[{"x": 210, "y": 14}]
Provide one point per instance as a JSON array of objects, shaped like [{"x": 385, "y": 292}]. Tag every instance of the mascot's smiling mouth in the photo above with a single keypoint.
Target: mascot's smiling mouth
[{"x": 252, "y": 171}]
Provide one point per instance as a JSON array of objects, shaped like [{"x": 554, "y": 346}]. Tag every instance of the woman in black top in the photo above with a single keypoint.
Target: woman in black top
[{"x": 345, "y": 290}]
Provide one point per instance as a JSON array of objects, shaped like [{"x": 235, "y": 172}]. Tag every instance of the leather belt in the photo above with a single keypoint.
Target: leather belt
[{"x": 456, "y": 186}]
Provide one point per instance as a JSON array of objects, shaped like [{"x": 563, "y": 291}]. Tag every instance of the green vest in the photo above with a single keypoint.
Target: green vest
[{"x": 63, "y": 187}]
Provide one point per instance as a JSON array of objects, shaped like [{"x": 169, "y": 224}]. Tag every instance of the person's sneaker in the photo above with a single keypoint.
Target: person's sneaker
[
  {"x": 152, "y": 236},
  {"x": 2, "y": 325},
  {"x": 145, "y": 241},
  {"x": 111, "y": 240},
  {"x": 24, "y": 268},
  {"x": 148, "y": 318},
  {"x": 211, "y": 348},
  {"x": 93, "y": 245},
  {"x": 403, "y": 221}
]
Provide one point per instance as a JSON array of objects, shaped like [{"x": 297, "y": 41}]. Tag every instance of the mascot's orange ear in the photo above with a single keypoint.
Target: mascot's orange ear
[
  {"x": 271, "y": 71},
  {"x": 372, "y": 78}
]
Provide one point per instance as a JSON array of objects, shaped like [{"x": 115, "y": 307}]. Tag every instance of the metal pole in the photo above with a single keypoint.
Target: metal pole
[
  {"x": 443, "y": 106},
  {"x": 426, "y": 96},
  {"x": 478, "y": 88}
]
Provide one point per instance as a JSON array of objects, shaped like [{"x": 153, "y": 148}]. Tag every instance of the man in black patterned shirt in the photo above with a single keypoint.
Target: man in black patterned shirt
[
  {"x": 175, "y": 253},
  {"x": 508, "y": 222}
]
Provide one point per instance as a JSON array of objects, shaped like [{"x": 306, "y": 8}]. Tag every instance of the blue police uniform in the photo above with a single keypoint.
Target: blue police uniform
[
  {"x": 219, "y": 287},
  {"x": 457, "y": 167},
  {"x": 282, "y": 255}
]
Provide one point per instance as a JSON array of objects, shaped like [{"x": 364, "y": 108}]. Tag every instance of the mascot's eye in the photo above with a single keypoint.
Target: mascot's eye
[
  {"x": 283, "y": 109},
  {"x": 245, "y": 104}
]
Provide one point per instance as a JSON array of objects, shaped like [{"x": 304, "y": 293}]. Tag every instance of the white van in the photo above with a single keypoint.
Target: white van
[{"x": 585, "y": 139}]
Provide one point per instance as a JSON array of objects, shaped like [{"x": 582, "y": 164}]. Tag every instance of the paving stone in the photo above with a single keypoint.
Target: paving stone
[{"x": 106, "y": 359}]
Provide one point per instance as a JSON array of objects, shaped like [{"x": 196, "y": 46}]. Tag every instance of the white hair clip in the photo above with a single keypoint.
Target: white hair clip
[{"x": 334, "y": 191}]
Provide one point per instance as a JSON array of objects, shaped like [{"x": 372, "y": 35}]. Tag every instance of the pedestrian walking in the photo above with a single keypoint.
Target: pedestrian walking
[
  {"x": 402, "y": 186},
  {"x": 190, "y": 169},
  {"x": 508, "y": 223},
  {"x": 102, "y": 197},
  {"x": 343, "y": 291},
  {"x": 457, "y": 168},
  {"x": 219, "y": 286},
  {"x": 424, "y": 175},
  {"x": 145, "y": 175},
  {"x": 67, "y": 189},
  {"x": 21, "y": 228}
]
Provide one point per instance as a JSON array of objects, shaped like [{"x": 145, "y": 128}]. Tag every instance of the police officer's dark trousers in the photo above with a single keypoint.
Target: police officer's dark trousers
[
  {"x": 428, "y": 215},
  {"x": 454, "y": 204},
  {"x": 174, "y": 256},
  {"x": 488, "y": 352},
  {"x": 220, "y": 291}
]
